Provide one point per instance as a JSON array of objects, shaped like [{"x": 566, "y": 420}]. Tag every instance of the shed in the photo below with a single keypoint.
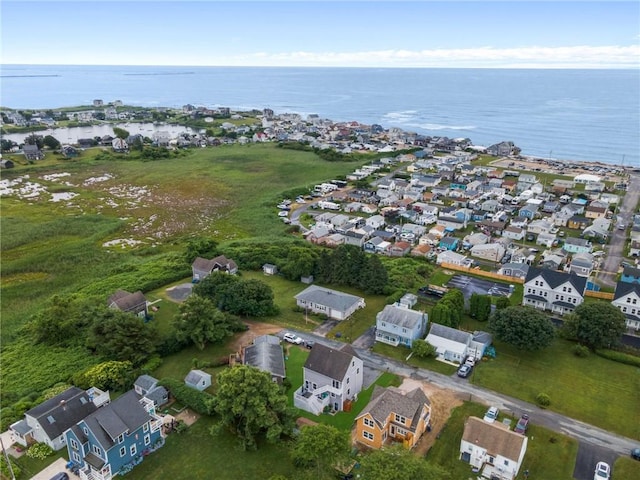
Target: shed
[
  {"x": 269, "y": 269},
  {"x": 198, "y": 379}
]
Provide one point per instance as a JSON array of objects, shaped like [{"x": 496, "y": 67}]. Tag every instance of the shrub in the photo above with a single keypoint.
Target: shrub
[
  {"x": 423, "y": 349},
  {"x": 152, "y": 364},
  {"x": 39, "y": 451},
  {"x": 543, "y": 400},
  {"x": 4, "y": 468},
  {"x": 580, "y": 351},
  {"x": 201, "y": 402},
  {"x": 620, "y": 357}
]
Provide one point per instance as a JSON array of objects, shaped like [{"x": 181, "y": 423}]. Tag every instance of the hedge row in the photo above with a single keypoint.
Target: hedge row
[
  {"x": 620, "y": 357},
  {"x": 201, "y": 402}
]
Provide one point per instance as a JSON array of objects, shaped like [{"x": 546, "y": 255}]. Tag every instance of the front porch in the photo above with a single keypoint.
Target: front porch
[
  {"x": 318, "y": 400},
  {"x": 387, "y": 338},
  {"x": 494, "y": 472}
]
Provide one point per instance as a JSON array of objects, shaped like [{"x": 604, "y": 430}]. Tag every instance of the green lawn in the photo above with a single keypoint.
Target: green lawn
[
  {"x": 549, "y": 455},
  {"x": 343, "y": 420},
  {"x": 401, "y": 353},
  {"x": 32, "y": 466},
  {"x": 593, "y": 389},
  {"x": 625, "y": 468}
]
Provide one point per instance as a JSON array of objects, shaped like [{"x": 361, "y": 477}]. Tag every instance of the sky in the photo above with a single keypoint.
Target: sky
[{"x": 464, "y": 34}]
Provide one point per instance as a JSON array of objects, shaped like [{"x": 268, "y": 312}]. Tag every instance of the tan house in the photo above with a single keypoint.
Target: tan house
[
  {"x": 595, "y": 212},
  {"x": 393, "y": 416}
]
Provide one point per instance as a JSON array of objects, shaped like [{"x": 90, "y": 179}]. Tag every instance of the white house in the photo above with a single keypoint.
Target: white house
[
  {"x": 627, "y": 299},
  {"x": 202, "y": 268},
  {"x": 513, "y": 232},
  {"x": 198, "y": 379},
  {"x": 399, "y": 325},
  {"x": 491, "y": 251},
  {"x": 331, "y": 379},
  {"x": 375, "y": 221},
  {"x": 581, "y": 264},
  {"x": 452, "y": 257},
  {"x": 333, "y": 304},
  {"x": 454, "y": 345},
  {"x": 492, "y": 448},
  {"x": 553, "y": 290}
]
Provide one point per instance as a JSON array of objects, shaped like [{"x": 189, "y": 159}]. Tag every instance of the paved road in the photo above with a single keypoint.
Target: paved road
[
  {"x": 584, "y": 433},
  {"x": 607, "y": 275}
]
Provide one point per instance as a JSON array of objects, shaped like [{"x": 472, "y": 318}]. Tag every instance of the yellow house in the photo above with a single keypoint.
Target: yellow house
[{"x": 393, "y": 416}]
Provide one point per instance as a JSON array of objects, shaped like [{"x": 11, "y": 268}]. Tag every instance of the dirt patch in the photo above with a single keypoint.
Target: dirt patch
[
  {"x": 188, "y": 416},
  {"x": 442, "y": 403},
  {"x": 256, "y": 329}
]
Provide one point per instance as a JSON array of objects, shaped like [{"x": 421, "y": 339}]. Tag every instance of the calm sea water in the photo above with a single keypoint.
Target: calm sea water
[{"x": 564, "y": 114}]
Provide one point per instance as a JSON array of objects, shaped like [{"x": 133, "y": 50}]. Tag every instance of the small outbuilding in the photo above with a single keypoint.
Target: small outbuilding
[
  {"x": 198, "y": 379},
  {"x": 269, "y": 269}
]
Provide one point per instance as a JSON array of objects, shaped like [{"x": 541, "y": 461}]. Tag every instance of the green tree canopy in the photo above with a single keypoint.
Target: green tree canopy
[
  {"x": 200, "y": 322},
  {"x": 110, "y": 375},
  {"x": 502, "y": 302},
  {"x": 423, "y": 349},
  {"x": 321, "y": 447},
  {"x": 200, "y": 247},
  {"x": 523, "y": 327},
  {"x": 237, "y": 296},
  {"x": 250, "y": 404},
  {"x": 398, "y": 463},
  {"x": 120, "y": 133},
  {"x": 51, "y": 142},
  {"x": 595, "y": 324}
]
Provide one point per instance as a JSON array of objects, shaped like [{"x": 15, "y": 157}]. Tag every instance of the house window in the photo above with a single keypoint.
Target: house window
[
  {"x": 145, "y": 428},
  {"x": 336, "y": 384},
  {"x": 147, "y": 439},
  {"x": 348, "y": 378},
  {"x": 368, "y": 422},
  {"x": 85, "y": 430},
  {"x": 624, "y": 309},
  {"x": 506, "y": 463},
  {"x": 358, "y": 370},
  {"x": 400, "y": 419},
  {"x": 368, "y": 435},
  {"x": 348, "y": 391},
  {"x": 123, "y": 451},
  {"x": 133, "y": 450},
  {"x": 635, "y": 300},
  {"x": 121, "y": 438},
  {"x": 75, "y": 456},
  {"x": 74, "y": 444},
  {"x": 628, "y": 300},
  {"x": 97, "y": 451},
  {"x": 564, "y": 289}
]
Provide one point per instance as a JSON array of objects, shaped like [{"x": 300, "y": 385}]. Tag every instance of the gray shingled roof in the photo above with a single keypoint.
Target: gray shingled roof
[
  {"x": 266, "y": 354},
  {"x": 402, "y": 317},
  {"x": 555, "y": 278},
  {"x": 146, "y": 382},
  {"x": 495, "y": 439},
  {"x": 65, "y": 409},
  {"x": 122, "y": 415},
  {"x": 385, "y": 401},
  {"x": 449, "y": 333},
  {"x": 194, "y": 377},
  {"x": 631, "y": 271},
  {"x": 126, "y": 301},
  {"x": 328, "y": 361},
  {"x": 330, "y": 298},
  {"x": 624, "y": 288}
]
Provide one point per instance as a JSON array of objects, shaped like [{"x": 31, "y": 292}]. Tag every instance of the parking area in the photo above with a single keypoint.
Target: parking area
[
  {"x": 470, "y": 285},
  {"x": 56, "y": 467},
  {"x": 588, "y": 456}
]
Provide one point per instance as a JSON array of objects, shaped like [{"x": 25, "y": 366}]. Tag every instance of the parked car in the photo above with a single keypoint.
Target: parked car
[
  {"x": 471, "y": 361},
  {"x": 292, "y": 338},
  {"x": 60, "y": 476},
  {"x": 464, "y": 371},
  {"x": 309, "y": 344},
  {"x": 603, "y": 471},
  {"x": 523, "y": 423},
  {"x": 635, "y": 453},
  {"x": 283, "y": 213},
  {"x": 491, "y": 415}
]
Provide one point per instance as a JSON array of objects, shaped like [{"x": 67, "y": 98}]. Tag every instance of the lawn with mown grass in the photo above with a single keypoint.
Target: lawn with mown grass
[
  {"x": 30, "y": 467},
  {"x": 401, "y": 353},
  {"x": 296, "y": 359},
  {"x": 625, "y": 468},
  {"x": 592, "y": 389},
  {"x": 549, "y": 455}
]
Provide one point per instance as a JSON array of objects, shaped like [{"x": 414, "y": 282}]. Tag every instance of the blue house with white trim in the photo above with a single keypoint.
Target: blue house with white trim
[
  {"x": 115, "y": 438},
  {"x": 630, "y": 275}
]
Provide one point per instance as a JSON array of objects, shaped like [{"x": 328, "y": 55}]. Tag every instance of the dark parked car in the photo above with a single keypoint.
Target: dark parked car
[
  {"x": 309, "y": 343},
  {"x": 465, "y": 370},
  {"x": 635, "y": 453},
  {"x": 523, "y": 423},
  {"x": 60, "y": 476}
]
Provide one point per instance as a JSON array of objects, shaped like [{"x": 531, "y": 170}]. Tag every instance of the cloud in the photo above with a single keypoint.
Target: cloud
[{"x": 525, "y": 57}]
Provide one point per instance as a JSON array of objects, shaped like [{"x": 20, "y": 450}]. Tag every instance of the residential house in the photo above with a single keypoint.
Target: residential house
[
  {"x": 198, "y": 379},
  {"x": 147, "y": 386},
  {"x": 552, "y": 290},
  {"x": 518, "y": 270},
  {"x": 399, "y": 249},
  {"x": 477, "y": 238},
  {"x": 332, "y": 379},
  {"x": 119, "y": 145},
  {"x": 332, "y": 303},
  {"x": 32, "y": 152},
  {"x": 630, "y": 275},
  {"x": 449, "y": 243},
  {"x": 546, "y": 239},
  {"x": 490, "y": 251},
  {"x": 595, "y": 212},
  {"x": 266, "y": 354},
  {"x": 438, "y": 231},
  {"x": 47, "y": 422},
  {"x": 581, "y": 264},
  {"x": 493, "y": 227},
  {"x": 451, "y": 222},
  {"x": 490, "y": 205},
  {"x": 514, "y": 233},
  {"x": 114, "y": 439},
  {"x": 393, "y": 416},
  {"x": 453, "y": 258},
  {"x": 492, "y": 449},
  {"x": 577, "y": 245},
  {"x": 375, "y": 221},
  {"x": 6, "y": 164},
  {"x": 552, "y": 260},
  {"x": 376, "y": 245},
  {"x": 202, "y": 267},
  {"x": 454, "y": 345},
  {"x": 578, "y": 223},
  {"x": 627, "y": 299},
  {"x": 422, "y": 250},
  {"x": 399, "y": 325},
  {"x": 134, "y": 303},
  {"x": 528, "y": 211},
  {"x": 540, "y": 226}
]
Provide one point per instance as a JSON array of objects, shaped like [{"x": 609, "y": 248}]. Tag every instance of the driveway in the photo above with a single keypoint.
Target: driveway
[
  {"x": 179, "y": 293},
  {"x": 60, "y": 465},
  {"x": 587, "y": 458}
]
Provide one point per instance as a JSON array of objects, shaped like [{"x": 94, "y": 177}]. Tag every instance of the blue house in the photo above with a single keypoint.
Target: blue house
[
  {"x": 450, "y": 243},
  {"x": 528, "y": 211},
  {"x": 630, "y": 275},
  {"x": 399, "y": 325},
  {"x": 115, "y": 438}
]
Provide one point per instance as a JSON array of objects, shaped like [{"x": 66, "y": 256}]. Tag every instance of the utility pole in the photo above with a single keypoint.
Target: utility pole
[{"x": 6, "y": 457}]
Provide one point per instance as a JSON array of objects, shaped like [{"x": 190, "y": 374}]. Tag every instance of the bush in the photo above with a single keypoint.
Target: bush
[
  {"x": 580, "y": 351},
  {"x": 152, "y": 364},
  {"x": 201, "y": 402},
  {"x": 39, "y": 451},
  {"x": 4, "y": 468},
  {"x": 543, "y": 400},
  {"x": 620, "y": 357},
  {"x": 423, "y": 349}
]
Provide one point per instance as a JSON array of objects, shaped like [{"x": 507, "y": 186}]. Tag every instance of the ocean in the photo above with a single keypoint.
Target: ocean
[{"x": 579, "y": 115}]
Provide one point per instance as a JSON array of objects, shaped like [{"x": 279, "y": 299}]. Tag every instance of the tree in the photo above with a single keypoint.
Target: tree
[
  {"x": 374, "y": 276},
  {"x": 250, "y": 404},
  {"x": 441, "y": 313},
  {"x": 595, "y": 324},
  {"x": 200, "y": 247},
  {"x": 423, "y": 349},
  {"x": 122, "y": 336},
  {"x": 51, "y": 142},
  {"x": 252, "y": 298},
  {"x": 502, "y": 302},
  {"x": 111, "y": 375},
  {"x": 321, "y": 446},
  {"x": 6, "y": 145},
  {"x": 484, "y": 308},
  {"x": 397, "y": 462},
  {"x": 200, "y": 322},
  {"x": 523, "y": 327},
  {"x": 120, "y": 133},
  {"x": 34, "y": 139}
]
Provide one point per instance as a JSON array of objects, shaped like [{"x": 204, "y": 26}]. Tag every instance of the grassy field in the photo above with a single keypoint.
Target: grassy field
[
  {"x": 625, "y": 468},
  {"x": 401, "y": 353},
  {"x": 549, "y": 455},
  {"x": 595, "y": 390}
]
